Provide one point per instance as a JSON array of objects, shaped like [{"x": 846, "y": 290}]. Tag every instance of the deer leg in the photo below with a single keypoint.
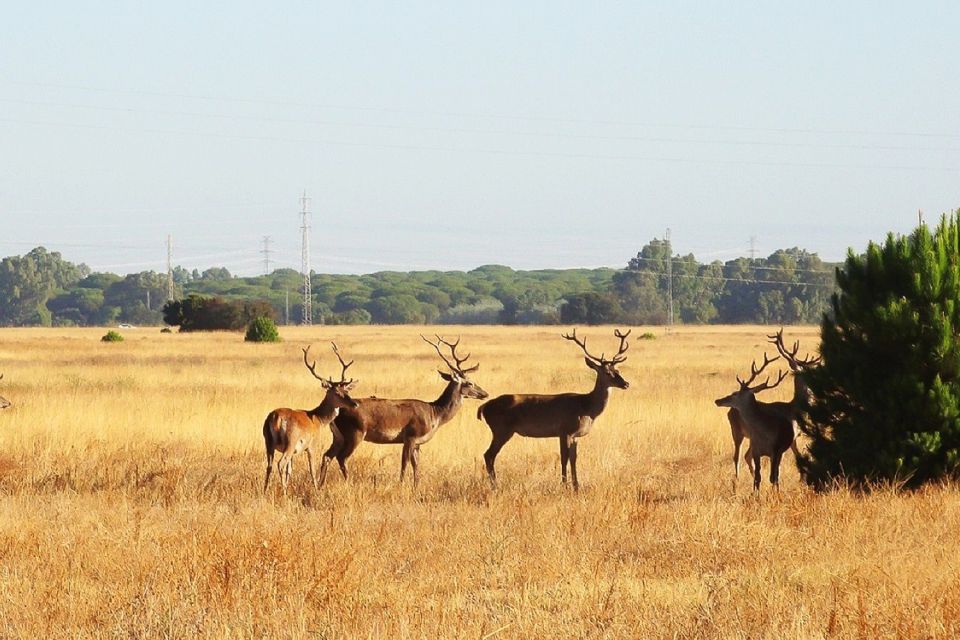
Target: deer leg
[
  {"x": 330, "y": 454},
  {"x": 499, "y": 439},
  {"x": 756, "y": 471},
  {"x": 572, "y": 446},
  {"x": 415, "y": 463},
  {"x": 775, "y": 469},
  {"x": 283, "y": 470},
  {"x": 748, "y": 458},
  {"x": 737, "y": 433},
  {"x": 564, "y": 458},
  {"x": 350, "y": 443},
  {"x": 310, "y": 466},
  {"x": 405, "y": 457},
  {"x": 266, "y": 480}
]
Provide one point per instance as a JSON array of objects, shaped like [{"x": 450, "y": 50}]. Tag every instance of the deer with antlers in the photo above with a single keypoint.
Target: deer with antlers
[
  {"x": 566, "y": 416},
  {"x": 411, "y": 423},
  {"x": 770, "y": 426},
  {"x": 4, "y": 403},
  {"x": 291, "y": 431},
  {"x": 800, "y": 396}
]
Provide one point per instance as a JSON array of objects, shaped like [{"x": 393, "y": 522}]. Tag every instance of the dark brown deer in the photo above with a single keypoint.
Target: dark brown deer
[
  {"x": 291, "y": 431},
  {"x": 4, "y": 403},
  {"x": 770, "y": 426},
  {"x": 566, "y": 416},
  {"x": 411, "y": 423}
]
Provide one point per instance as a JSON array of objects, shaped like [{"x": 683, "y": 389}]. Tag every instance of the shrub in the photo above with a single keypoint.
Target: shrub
[
  {"x": 166, "y": 330},
  {"x": 112, "y": 336},
  {"x": 885, "y": 403},
  {"x": 646, "y": 336},
  {"x": 262, "y": 329}
]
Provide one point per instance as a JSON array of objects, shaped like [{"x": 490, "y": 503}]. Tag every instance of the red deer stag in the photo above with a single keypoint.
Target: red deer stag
[
  {"x": 407, "y": 422},
  {"x": 770, "y": 426},
  {"x": 291, "y": 431},
  {"x": 566, "y": 416},
  {"x": 4, "y": 403}
]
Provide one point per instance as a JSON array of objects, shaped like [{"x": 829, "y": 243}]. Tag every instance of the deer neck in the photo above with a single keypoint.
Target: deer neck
[
  {"x": 325, "y": 412},
  {"x": 447, "y": 405},
  {"x": 598, "y": 397}
]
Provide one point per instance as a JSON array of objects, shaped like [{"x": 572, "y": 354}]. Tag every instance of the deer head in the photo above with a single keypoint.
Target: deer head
[
  {"x": 746, "y": 392},
  {"x": 337, "y": 392},
  {"x": 607, "y": 373},
  {"x": 458, "y": 375}
]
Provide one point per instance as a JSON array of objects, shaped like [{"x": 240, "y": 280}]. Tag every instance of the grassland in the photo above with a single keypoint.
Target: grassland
[{"x": 130, "y": 503}]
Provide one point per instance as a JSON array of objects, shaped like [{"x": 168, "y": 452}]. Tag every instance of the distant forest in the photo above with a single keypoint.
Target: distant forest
[{"x": 789, "y": 286}]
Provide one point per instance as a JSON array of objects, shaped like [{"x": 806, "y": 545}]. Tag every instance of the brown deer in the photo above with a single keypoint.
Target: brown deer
[
  {"x": 770, "y": 426},
  {"x": 291, "y": 431},
  {"x": 411, "y": 423},
  {"x": 800, "y": 394},
  {"x": 4, "y": 403},
  {"x": 566, "y": 416}
]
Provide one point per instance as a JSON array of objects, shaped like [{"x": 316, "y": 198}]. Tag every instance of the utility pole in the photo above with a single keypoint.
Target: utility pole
[
  {"x": 286, "y": 307},
  {"x": 669, "y": 280},
  {"x": 307, "y": 317},
  {"x": 266, "y": 255},
  {"x": 171, "y": 294}
]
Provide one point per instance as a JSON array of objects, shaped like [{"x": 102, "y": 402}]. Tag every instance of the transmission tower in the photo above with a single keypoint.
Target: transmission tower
[
  {"x": 305, "y": 259},
  {"x": 753, "y": 247},
  {"x": 266, "y": 254},
  {"x": 669, "y": 280},
  {"x": 170, "y": 288}
]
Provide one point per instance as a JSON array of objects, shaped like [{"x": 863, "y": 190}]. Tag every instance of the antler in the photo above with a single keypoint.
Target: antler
[
  {"x": 458, "y": 367},
  {"x": 583, "y": 345},
  {"x": 343, "y": 373},
  {"x": 617, "y": 359},
  {"x": 791, "y": 356},
  {"x": 328, "y": 381},
  {"x": 754, "y": 372}
]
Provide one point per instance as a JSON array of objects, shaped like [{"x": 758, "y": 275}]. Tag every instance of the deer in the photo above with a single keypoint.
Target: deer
[
  {"x": 4, "y": 403},
  {"x": 411, "y": 423},
  {"x": 770, "y": 426},
  {"x": 291, "y": 431},
  {"x": 800, "y": 395},
  {"x": 567, "y": 416}
]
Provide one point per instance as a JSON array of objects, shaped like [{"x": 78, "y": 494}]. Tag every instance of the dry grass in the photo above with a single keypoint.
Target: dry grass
[{"x": 130, "y": 504}]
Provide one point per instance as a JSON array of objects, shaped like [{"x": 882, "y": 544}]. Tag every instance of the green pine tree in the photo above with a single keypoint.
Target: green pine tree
[{"x": 885, "y": 403}]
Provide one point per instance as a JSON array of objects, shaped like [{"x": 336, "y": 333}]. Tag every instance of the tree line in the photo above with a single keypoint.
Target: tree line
[{"x": 789, "y": 286}]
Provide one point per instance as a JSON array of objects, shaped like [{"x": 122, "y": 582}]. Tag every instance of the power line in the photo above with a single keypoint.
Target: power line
[
  {"x": 461, "y": 130},
  {"x": 490, "y": 151},
  {"x": 525, "y": 118}
]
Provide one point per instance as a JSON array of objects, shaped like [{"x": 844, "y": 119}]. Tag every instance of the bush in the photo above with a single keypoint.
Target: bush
[
  {"x": 262, "y": 329},
  {"x": 885, "y": 403},
  {"x": 111, "y": 336},
  {"x": 646, "y": 336},
  {"x": 166, "y": 330}
]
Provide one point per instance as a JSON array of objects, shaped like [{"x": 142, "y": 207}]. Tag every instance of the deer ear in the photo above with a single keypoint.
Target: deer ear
[
  {"x": 352, "y": 384},
  {"x": 446, "y": 376},
  {"x": 593, "y": 365}
]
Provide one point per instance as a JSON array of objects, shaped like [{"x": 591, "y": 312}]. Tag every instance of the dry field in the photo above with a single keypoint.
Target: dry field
[{"x": 130, "y": 503}]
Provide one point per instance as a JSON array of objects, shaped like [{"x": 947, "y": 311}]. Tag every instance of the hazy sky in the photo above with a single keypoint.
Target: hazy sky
[{"x": 450, "y": 135}]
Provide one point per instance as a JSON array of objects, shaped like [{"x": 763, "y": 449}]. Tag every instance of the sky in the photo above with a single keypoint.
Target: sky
[{"x": 451, "y": 135}]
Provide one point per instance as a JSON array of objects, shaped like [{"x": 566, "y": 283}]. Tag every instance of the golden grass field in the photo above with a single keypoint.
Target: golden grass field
[{"x": 131, "y": 503}]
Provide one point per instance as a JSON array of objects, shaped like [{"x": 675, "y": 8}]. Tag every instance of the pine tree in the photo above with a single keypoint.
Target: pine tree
[{"x": 885, "y": 403}]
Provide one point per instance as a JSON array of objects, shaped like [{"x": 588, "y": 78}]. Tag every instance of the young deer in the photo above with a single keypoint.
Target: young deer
[
  {"x": 4, "y": 403},
  {"x": 770, "y": 426},
  {"x": 291, "y": 431},
  {"x": 408, "y": 422},
  {"x": 566, "y": 416}
]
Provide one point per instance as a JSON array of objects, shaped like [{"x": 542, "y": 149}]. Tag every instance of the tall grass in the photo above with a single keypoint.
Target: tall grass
[{"x": 130, "y": 502}]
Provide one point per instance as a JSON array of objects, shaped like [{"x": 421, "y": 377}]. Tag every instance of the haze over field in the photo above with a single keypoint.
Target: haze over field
[{"x": 539, "y": 135}]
